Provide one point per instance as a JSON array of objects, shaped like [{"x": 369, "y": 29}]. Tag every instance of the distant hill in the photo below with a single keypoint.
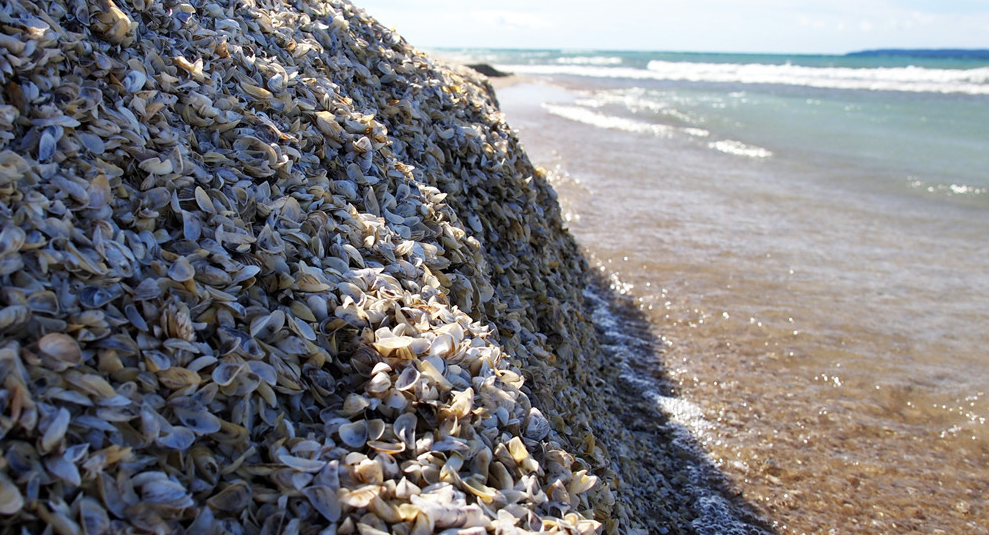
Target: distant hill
[{"x": 960, "y": 53}]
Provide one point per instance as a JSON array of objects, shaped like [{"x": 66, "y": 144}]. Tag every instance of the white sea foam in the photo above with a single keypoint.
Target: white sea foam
[
  {"x": 587, "y": 116},
  {"x": 687, "y": 424},
  {"x": 913, "y": 79},
  {"x": 590, "y": 60},
  {"x": 737, "y": 148}
]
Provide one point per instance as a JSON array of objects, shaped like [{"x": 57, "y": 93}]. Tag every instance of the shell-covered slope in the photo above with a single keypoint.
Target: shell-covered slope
[{"x": 265, "y": 268}]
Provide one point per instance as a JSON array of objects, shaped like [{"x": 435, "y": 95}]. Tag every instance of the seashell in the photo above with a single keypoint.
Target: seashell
[
  {"x": 134, "y": 81},
  {"x": 55, "y": 430},
  {"x": 91, "y": 384},
  {"x": 177, "y": 438},
  {"x": 396, "y": 346},
  {"x": 324, "y": 499},
  {"x": 536, "y": 425},
  {"x": 159, "y": 489},
  {"x": 12, "y": 238},
  {"x": 581, "y": 482},
  {"x": 442, "y": 346},
  {"x": 448, "y": 516},
  {"x": 234, "y": 498},
  {"x": 192, "y": 227},
  {"x": 479, "y": 489},
  {"x": 181, "y": 270},
  {"x": 147, "y": 290},
  {"x": 353, "y": 434},
  {"x": 61, "y": 347},
  {"x": 301, "y": 464},
  {"x": 176, "y": 378},
  {"x": 93, "y": 517},
  {"x": 94, "y": 297},
  {"x": 112, "y": 24},
  {"x": 135, "y": 317},
  {"x": 305, "y": 282},
  {"x": 225, "y": 373},
  {"x": 13, "y": 316},
  {"x": 11, "y": 499},
  {"x": 359, "y": 497},
  {"x": 379, "y": 384},
  {"x": 375, "y": 428},
  {"x": 157, "y": 166},
  {"x": 255, "y": 91},
  {"x": 405, "y": 428},
  {"x": 266, "y": 325},
  {"x": 94, "y": 144},
  {"x": 47, "y": 144},
  {"x": 45, "y": 302},
  {"x": 408, "y": 378},
  {"x": 391, "y": 448}
]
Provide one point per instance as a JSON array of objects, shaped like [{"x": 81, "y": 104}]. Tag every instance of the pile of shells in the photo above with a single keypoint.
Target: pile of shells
[{"x": 266, "y": 268}]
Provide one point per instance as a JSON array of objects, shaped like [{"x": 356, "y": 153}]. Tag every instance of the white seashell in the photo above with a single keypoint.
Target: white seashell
[
  {"x": 408, "y": 378},
  {"x": 301, "y": 464},
  {"x": 197, "y": 419},
  {"x": 359, "y": 497},
  {"x": 353, "y": 434},
  {"x": 442, "y": 346},
  {"x": 405, "y": 428},
  {"x": 581, "y": 482},
  {"x": 378, "y": 384}
]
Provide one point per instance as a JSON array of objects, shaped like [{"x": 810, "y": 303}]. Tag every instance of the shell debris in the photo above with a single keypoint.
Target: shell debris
[{"x": 238, "y": 293}]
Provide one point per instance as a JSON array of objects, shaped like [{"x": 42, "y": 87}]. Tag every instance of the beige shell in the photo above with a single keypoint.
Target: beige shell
[{"x": 11, "y": 499}]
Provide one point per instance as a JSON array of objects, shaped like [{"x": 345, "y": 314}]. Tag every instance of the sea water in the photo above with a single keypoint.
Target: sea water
[{"x": 809, "y": 237}]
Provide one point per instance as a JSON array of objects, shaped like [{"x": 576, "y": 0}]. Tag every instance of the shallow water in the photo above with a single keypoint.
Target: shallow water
[{"x": 826, "y": 313}]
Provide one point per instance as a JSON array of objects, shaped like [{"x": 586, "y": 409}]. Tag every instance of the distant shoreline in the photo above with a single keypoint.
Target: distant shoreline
[{"x": 940, "y": 53}]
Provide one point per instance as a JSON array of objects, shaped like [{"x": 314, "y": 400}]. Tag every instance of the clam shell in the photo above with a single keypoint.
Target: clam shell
[
  {"x": 11, "y": 499},
  {"x": 324, "y": 500},
  {"x": 12, "y": 238},
  {"x": 181, "y": 270},
  {"x": 353, "y": 434},
  {"x": 408, "y": 378},
  {"x": 61, "y": 347},
  {"x": 93, "y": 517},
  {"x": 234, "y": 498},
  {"x": 405, "y": 428},
  {"x": 301, "y": 464}
]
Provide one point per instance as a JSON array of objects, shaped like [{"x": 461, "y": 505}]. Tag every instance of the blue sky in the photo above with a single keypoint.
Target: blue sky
[{"x": 834, "y": 26}]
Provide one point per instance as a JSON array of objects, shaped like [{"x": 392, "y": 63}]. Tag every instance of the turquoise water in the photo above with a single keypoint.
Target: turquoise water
[
  {"x": 919, "y": 122},
  {"x": 808, "y": 236}
]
